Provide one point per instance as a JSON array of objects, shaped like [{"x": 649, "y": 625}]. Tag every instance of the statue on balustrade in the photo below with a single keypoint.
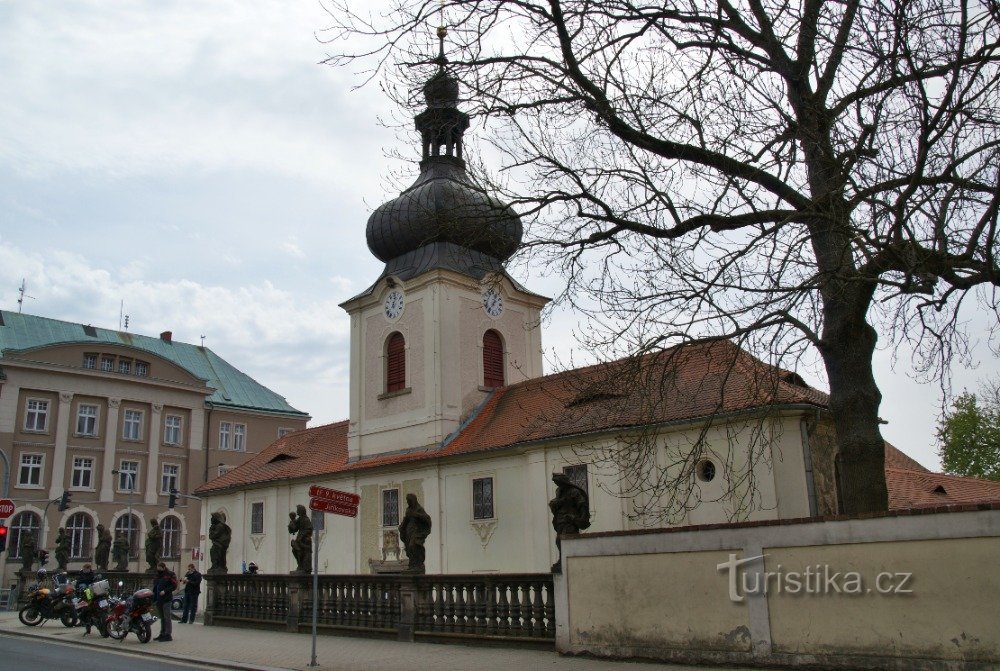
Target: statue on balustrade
[
  {"x": 570, "y": 512},
  {"x": 103, "y": 548},
  {"x": 119, "y": 551},
  {"x": 220, "y": 534},
  {"x": 62, "y": 549},
  {"x": 154, "y": 543},
  {"x": 28, "y": 549},
  {"x": 300, "y": 525},
  {"x": 413, "y": 531}
]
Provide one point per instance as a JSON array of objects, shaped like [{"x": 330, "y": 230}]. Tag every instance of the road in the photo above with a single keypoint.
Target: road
[{"x": 23, "y": 654}]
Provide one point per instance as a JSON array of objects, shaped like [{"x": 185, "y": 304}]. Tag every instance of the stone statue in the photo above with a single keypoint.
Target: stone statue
[
  {"x": 103, "y": 548},
  {"x": 62, "y": 549},
  {"x": 220, "y": 534},
  {"x": 413, "y": 531},
  {"x": 570, "y": 512},
  {"x": 28, "y": 549},
  {"x": 300, "y": 525},
  {"x": 154, "y": 542},
  {"x": 119, "y": 550}
]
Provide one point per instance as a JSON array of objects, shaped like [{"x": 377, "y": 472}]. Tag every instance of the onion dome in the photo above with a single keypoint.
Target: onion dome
[{"x": 444, "y": 219}]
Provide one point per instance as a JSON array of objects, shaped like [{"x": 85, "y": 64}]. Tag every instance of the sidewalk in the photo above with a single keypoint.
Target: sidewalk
[{"x": 261, "y": 650}]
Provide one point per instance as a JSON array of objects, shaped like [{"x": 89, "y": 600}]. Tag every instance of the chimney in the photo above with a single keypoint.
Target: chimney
[{"x": 166, "y": 336}]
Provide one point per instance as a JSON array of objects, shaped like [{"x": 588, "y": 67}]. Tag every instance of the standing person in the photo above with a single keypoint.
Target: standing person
[
  {"x": 163, "y": 591},
  {"x": 192, "y": 588}
]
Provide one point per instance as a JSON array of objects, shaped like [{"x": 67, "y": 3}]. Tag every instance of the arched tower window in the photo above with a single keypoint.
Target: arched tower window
[
  {"x": 395, "y": 357},
  {"x": 25, "y": 523},
  {"x": 493, "y": 369},
  {"x": 171, "y": 527},
  {"x": 80, "y": 529}
]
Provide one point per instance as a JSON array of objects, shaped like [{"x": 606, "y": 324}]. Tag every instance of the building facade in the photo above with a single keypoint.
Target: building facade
[{"x": 117, "y": 420}]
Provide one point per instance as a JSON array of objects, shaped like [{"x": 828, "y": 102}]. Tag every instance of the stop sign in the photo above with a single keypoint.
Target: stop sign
[{"x": 6, "y": 508}]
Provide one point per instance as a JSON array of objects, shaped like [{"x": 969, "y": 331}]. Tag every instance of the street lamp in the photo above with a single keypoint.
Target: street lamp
[{"x": 131, "y": 520}]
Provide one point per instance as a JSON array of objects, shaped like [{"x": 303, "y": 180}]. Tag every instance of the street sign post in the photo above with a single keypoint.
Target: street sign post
[
  {"x": 6, "y": 508},
  {"x": 335, "y": 507},
  {"x": 334, "y": 495}
]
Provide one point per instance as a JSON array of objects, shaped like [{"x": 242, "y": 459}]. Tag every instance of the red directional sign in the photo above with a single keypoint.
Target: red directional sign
[
  {"x": 334, "y": 495},
  {"x": 335, "y": 507},
  {"x": 6, "y": 508}
]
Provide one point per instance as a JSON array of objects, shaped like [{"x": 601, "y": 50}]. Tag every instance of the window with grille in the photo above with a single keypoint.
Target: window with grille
[
  {"x": 390, "y": 507},
  {"x": 129, "y": 527},
  {"x": 80, "y": 529},
  {"x": 107, "y": 363},
  {"x": 395, "y": 355},
  {"x": 30, "y": 474},
  {"x": 257, "y": 517},
  {"x": 86, "y": 420},
  {"x": 492, "y": 359},
  {"x": 90, "y": 361},
  {"x": 36, "y": 415},
  {"x": 578, "y": 476},
  {"x": 141, "y": 368},
  {"x": 124, "y": 366},
  {"x": 171, "y": 528},
  {"x": 482, "y": 498},
  {"x": 24, "y": 524}
]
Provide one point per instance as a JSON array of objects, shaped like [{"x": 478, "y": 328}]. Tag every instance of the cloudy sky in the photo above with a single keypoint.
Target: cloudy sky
[{"x": 193, "y": 165}]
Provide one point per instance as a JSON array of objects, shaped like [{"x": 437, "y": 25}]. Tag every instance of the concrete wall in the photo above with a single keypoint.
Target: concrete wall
[{"x": 910, "y": 591}]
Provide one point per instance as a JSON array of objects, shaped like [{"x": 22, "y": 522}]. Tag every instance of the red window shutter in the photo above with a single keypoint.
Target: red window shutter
[
  {"x": 395, "y": 379},
  {"x": 492, "y": 360}
]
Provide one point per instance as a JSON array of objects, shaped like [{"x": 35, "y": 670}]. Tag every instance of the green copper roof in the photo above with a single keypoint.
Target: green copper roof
[{"x": 233, "y": 388}]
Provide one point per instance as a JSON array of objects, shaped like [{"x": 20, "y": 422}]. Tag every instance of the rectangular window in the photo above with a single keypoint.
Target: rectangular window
[
  {"x": 282, "y": 432},
  {"x": 31, "y": 470},
  {"x": 124, "y": 366},
  {"x": 240, "y": 437},
  {"x": 107, "y": 363},
  {"x": 128, "y": 476},
  {"x": 36, "y": 416},
  {"x": 390, "y": 507},
  {"x": 141, "y": 368},
  {"x": 257, "y": 517},
  {"x": 169, "y": 479},
  {"x": 482, "y": 498},
  {"x": 172, "y": 430},
  {"x": 223, "y": 469},
  {"x": 578, "y": 476},
  {"x": 90, "y": 361},
  {"x": 132, "y": 427},
  {"x": 225, "y": 429},
  {"x": 86, "y": 420},
  {"x": 83, "y": 473}
]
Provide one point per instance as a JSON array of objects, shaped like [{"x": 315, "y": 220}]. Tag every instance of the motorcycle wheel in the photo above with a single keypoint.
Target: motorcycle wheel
[
  {"x": 30, "y": 616},
  {"x": 117, "y": 629},
  {"x": 68, "y": 618},
  {"x": 145, "y": 632}
]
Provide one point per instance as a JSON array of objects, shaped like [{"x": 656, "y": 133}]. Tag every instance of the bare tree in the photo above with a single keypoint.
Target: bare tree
[{"x": 804, "y": 177}]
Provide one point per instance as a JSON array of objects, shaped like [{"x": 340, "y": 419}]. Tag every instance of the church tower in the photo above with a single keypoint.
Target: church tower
[{"x": 444, "y": 324}]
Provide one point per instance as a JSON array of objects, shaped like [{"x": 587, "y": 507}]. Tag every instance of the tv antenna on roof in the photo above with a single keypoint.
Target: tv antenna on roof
[{"x": 22, "y": 296}]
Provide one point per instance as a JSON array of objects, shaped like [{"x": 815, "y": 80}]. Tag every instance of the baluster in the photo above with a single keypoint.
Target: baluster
[
  {"x": 503, "y": 610},
  {"x": 437, "y": 621},
  {"x": 537, "y": 611}
]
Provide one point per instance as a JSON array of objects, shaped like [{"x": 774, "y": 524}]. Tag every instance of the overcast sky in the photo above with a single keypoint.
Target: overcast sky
[{"x": 195, "y": 163}]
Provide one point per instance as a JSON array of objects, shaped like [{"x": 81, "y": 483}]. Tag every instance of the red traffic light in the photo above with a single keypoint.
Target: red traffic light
[{"x": 3, "y": 531}]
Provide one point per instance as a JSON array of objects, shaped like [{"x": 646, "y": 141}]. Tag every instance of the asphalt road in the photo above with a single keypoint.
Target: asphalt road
[{"x": 23, "y": 654}]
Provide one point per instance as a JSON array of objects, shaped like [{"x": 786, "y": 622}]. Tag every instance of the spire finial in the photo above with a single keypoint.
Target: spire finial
[{"x": 442, "y": 32}]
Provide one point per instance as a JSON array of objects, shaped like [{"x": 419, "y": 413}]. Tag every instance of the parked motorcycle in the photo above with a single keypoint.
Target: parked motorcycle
[
  {"x": 49, "y": 604},
  {"x": 92, "y": 606},
  {"x": 132, "y": 614}
]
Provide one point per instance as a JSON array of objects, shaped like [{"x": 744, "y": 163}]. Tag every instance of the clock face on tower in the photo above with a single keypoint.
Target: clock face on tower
[
  {"x": 492, "y": 302},
  {"x": 393, "y": 306}
]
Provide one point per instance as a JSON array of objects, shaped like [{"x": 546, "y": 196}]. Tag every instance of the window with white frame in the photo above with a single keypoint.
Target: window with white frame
[
  {"x": 25, "y": 523},
  {"x": 225, "y": 430},
  {"x": 124, "y": 366},
  {"x": 141, "y": 368},
  {"x": 170, "y": 478},
  {"x": 172, "y": 430},
  {"x": 36, "y": 415},
  {"x": 223, "y": 469},
  {"x": 482, "y": 498},
  {"x": 86, "y": 420},
  {"x": 240, "y": 437},
  {"x": 90, "y": 361},
  {"x": 170, "y": 526},
  {"x": 80, "y": 529},
  {"x": 132, "y": 426},
  {"x": 128, "y": 476},
  {"x": 30, "y": 474},
  {"x": 107, "y": 363},
  {"x": 390, "y": 507},
  {"x": 83, "y": 473},
  {"x": 284, "y": 431},
  {"x": 257, "y": 517},
  {"x": 128, "y": 525}
]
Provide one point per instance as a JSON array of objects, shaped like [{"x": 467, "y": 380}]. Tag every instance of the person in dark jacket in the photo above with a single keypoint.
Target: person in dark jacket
[
  {"x": 163, "y": 591},
  {"x": 192, "y": 588}
]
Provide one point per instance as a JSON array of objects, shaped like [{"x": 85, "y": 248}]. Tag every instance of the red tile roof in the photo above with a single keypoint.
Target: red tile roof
[{"x": 677, "y": 385}]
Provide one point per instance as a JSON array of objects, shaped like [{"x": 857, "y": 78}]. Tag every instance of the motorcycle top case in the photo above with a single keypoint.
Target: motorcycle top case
[
  {"x": 100, "y": 588},
  {"x": 143, "y": 597}
]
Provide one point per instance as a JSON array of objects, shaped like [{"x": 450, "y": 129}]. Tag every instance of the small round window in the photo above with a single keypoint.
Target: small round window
[{"x": 705, "y": 470}]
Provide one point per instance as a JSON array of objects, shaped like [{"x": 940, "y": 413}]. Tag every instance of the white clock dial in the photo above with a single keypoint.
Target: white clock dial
[
  {"x": 492, "y": 302},
  {"x": 393, "y": 304}
]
